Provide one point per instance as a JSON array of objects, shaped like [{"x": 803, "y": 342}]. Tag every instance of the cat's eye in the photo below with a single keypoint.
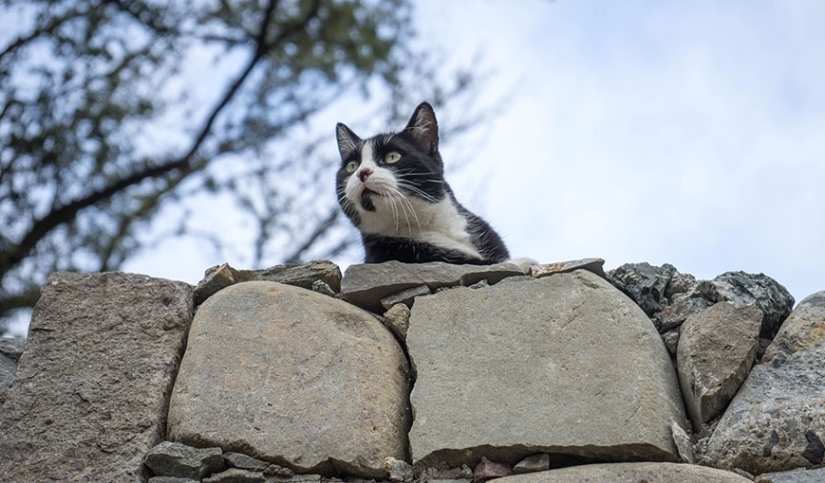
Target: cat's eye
[
  {"x": 392, "y": 157},
  {"x": 351, "y": 166}
]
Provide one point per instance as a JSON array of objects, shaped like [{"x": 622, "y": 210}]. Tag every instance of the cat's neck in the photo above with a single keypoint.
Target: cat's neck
[{"x": 439, "y": 224}]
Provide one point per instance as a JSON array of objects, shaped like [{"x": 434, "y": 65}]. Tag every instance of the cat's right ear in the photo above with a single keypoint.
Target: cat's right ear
[{"x": 347, "y": 141}]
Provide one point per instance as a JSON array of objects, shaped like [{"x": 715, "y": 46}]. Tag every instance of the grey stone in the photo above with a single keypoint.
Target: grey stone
[
  {"x": 487, "y": 470},
  {"x": 299, "y": 275},
  {"x": 405, "y": 297},
  {"x": 683, "y": 443},
  {"x": 795, "y": 476},
  {"x": 680, "y": 285},
  {"x": 645, "y": 284},
  {"x": 672, "y": 316},
  {"x": 397, "y": 319},
  {"x": 171, "y": 479},
  {"x": 288, "y": 375},
  {"x": 90, "y": 396},
  {"x": 175, "y": 459},
  {"x": 671, "y": 340},
  {"x": 398, "y": 470},
  {"x": 715, "y": 353},
  {"x": 365, "y": 285},
  {"x": 594, "y": 265},
  {"x": 630, "y": 473},
  {"x": 533, "y": 463},
  {"x": 442, "y": 472},
  {"x": 12, "y": 348},
  {"x": 767, "y": 294},
  {"x": 776, "y": 422},
  {"x": 308, "y": 478},
  {"x": 10, "y": 352},
  {"x": 571, "y": 345},
  {"x": 244, "y": 462},
  {"x": 236, "y": 475}
]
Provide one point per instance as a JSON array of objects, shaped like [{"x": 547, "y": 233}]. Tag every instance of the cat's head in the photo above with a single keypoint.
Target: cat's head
[{"x": 384, "y": 179}]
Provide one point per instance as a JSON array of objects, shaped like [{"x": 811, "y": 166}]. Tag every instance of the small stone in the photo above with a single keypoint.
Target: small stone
[
  {"x": 244, "y": 462},
  {"x": 399, "y": 470},
  {"x": 397, "y": 319},
  {"x": 322, "y": 288},
  {"x": 236, "y": 475},
  {"x": 176, "y": 459},
  {"x": 680, "y": 285},
  {"x": 671, "y": 340},
  {"x": 674, "y": 315},
  {"x": 794, "y": 476},
  {"x": 480, "y": 284},
  {"x": 171, "y": 479},
  {"x": 530, "y": 464},
  {"x": 276, "y": 470},
  {"x": 594, "y": 265},
  {"x": 487, "y": 470},
  {"x": 442, "y": 473},
  {"x": 214, "y": 279},
  {"x": 683, "y": 444},
  {"x": 645, "y": 284},
  {"x": 405, "y": 297}
]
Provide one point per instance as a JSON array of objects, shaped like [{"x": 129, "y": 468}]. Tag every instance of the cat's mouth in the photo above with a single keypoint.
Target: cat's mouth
[{"x": 366, "y": 199}]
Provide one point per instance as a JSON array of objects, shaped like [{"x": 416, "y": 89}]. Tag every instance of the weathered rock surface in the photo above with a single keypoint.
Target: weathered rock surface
[
  {"x": 776, "y": 422},
  {"x": 644, "y": 283},
  {"x": 366, "y": 284},
  {"x": 756, "y": 289},
  {"x": 672, "y": 316},
  {"x": 533, "y": 463},
  {"x": 10, "y": 352},
  {"x": 715, "y": 353},
  {"x": 89, "y": 398},
  {"x": 630, "y": 473},
  {"x": 593, "y": 265},
  {"x": 294, "y": 377},
  {"x": 175, "y": 459},
  {"x": 796, "y": 476},
  {"x": 564, "y": 365},
  {"x": 300, "y": 275}
]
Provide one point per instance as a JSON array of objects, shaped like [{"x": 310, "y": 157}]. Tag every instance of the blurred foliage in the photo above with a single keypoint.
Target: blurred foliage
[{"x": 116, "y": 113}]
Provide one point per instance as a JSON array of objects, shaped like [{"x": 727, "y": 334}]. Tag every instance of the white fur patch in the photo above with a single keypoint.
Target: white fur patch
[{"x": 399, "y": 215}]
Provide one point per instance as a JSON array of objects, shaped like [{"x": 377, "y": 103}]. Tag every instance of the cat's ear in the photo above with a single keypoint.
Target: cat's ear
[
  {"x": 423, "y": 128},
  {"x": 347, "y": 141}
]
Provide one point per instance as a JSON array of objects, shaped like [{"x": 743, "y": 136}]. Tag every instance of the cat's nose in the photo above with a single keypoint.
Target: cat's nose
[{"x": 364, "y": 174}]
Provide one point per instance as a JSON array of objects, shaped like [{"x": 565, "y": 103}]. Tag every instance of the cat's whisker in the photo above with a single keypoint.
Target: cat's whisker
[{"x": 408, "y": 204}]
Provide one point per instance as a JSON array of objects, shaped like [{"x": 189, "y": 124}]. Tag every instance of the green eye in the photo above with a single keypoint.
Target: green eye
[
  {"x": 352, "y": 166},
  {"x": 392, "y": 157}
]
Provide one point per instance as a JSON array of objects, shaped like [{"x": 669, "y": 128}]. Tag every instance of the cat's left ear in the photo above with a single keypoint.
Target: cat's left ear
[
  {"x": 347, "y": 141},
  {"x": 423, "y": 128}
]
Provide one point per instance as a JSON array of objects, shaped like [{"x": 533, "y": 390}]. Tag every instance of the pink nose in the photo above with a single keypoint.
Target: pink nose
[{"x": 364, "y": 174}]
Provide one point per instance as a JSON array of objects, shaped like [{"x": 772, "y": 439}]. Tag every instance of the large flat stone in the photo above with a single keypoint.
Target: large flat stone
[
  {"x": 565, "y": 365},
  {"x": 630, "y": 473},
  {"x": 715, "y": 353},
  {"x": 366, "y": 284},
  {"x": 290, "y": 376},
  {"x": 90, "y": 396},
  {"x": 776, "y": 422}
]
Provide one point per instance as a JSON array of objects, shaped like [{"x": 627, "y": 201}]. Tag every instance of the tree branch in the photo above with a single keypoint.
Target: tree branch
[{"x": 65, "y": 214}]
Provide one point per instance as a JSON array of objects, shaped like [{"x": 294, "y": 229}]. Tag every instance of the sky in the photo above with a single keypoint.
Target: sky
[{"x": 689, "y": 133}]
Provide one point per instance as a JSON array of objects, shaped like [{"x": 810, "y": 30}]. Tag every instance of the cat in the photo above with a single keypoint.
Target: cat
[{"x": 392, "y": 188}]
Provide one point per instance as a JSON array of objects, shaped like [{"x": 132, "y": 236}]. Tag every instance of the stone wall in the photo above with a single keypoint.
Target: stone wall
[{"x": 532, "y": 373}]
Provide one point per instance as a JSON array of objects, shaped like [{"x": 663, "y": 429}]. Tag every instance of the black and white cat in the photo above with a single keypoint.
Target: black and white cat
[{"x": 392, "y": 187}]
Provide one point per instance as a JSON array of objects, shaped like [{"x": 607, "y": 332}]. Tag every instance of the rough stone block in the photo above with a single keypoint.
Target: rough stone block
[
  {"x": 715, "y": 353},
  {"x": 293, "y": 377},
  {"x": 365, "y": 285},
  {"x": 175, "y": 459},
  {"x": 776, "y": 422},
  {"x": 630, "y": 473},
  {"x": 565, "y": 365},
  {"x": 90, "y": 396}
]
